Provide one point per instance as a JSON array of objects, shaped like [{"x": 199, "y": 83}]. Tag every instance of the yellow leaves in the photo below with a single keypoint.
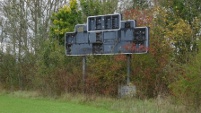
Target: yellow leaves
[
  {"x": 160, "y": 15},
  {"x": 59, "y": 22},
  {"x": 60, "y": 31},
  {"x": 172, "y": 27},
  {"x": 73, "y": 4},
  {"x": 56, "y": 22},
  {"x": 56, "y": 31},
  {"x": 66, "y": 9},
  {"x": 183, "y": 28},
  {"x": 63, "y": 31},
  {"x": 63, "y": 18},
  {"x": 196, "y": 24},
  {"x": 180, "y": 30},
  {"x": 156, "y": 10}
]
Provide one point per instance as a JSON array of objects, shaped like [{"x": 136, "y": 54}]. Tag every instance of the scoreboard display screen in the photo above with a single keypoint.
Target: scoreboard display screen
[{"x": 107, "y": 35}]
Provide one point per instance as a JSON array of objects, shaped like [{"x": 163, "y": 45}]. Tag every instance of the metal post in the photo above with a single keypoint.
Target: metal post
[
  {"x": 128, "y": 67},
  {"x": 83, "y": 71}
]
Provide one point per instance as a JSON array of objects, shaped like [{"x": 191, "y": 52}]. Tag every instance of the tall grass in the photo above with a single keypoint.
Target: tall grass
[{"x": 129, "y": 105}]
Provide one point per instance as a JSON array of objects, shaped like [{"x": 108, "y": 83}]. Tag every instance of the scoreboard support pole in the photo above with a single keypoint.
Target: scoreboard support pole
[
  {"x": 84, "y": 72},
  {"x": 128, "y": 68}
]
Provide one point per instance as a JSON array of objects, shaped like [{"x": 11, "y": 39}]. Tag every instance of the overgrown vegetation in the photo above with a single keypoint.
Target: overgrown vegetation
[{"x": 32, "y": 53}]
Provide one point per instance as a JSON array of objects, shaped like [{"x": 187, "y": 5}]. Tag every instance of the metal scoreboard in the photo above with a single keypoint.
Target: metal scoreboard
[{"x": 107, "y": 35}]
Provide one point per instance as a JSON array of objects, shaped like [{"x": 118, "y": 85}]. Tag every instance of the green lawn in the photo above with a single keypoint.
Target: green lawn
[{"x": 12, "y": 104}]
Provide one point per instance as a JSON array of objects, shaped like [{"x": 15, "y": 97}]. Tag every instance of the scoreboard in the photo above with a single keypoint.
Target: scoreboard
[{"x": 107, "y": 35}]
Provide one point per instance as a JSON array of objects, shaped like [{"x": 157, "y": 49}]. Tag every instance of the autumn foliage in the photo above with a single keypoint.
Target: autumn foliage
[{"x": 143, "y": 17}]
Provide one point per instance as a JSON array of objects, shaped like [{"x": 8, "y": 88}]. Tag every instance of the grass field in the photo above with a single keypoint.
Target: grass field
[
  {"x": 33, "y": 102},
  {"x": 12, "y": 104}
]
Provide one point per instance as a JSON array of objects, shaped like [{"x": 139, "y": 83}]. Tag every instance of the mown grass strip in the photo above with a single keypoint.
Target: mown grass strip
[{"x": 11, "y": 104}]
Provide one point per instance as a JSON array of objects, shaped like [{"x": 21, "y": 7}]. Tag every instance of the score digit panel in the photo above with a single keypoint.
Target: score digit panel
[
  {"x": 141, "y": 39},
  {"x": 110, "y": 22}
]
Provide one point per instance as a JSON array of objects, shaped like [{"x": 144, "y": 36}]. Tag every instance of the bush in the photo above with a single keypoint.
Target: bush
[{"x": 187, "y": 88}]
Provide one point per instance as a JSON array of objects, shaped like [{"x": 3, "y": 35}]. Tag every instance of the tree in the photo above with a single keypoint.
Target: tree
[
  {"x": 16, "y": 30},
  {"x": 134, "y": 4},
  {"x": 65, "y": 20},
  {"x": 98, "y": 7},
  {"x": 141, "y": 4},
  {"x": 53, "y": 72},
  {"x": 24, "y": 27},
  {"x": 189, "y": 12},
  {"x": 187, "y": 88}
]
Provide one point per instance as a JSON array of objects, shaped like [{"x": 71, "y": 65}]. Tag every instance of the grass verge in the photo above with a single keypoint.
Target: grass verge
[
  {"x": 15, "y": 104},
  {"x": 31, "y": 102}
]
